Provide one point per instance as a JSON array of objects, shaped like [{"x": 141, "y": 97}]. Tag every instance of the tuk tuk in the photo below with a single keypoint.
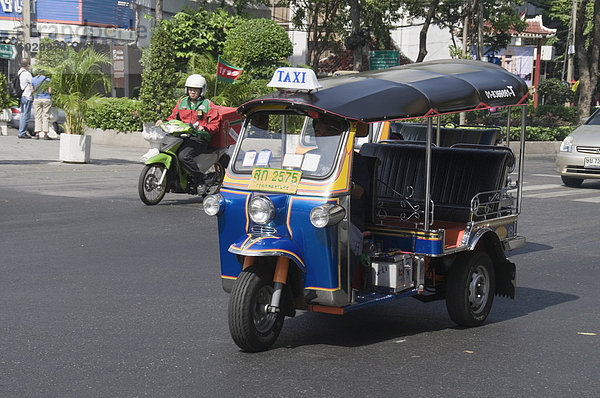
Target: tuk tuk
[{"x": 323, "y": 209}]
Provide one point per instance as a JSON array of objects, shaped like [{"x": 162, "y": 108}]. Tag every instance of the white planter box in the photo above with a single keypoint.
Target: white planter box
[
  {"x": 5, "y": 115},
  {"x": 75, "y": 148}
]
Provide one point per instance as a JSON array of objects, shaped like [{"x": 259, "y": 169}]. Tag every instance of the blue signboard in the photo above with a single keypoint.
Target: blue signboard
[{"x": 116, "y": 13}]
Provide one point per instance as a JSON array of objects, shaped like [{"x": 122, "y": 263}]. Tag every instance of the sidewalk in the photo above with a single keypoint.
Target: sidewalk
[{"x": 14, "y": 149}]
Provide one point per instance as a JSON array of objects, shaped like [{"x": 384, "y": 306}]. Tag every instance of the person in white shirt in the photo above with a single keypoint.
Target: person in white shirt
[{"x": 25, "y": 78}]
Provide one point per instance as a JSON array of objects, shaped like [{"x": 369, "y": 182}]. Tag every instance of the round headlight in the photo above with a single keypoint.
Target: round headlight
[
  {"x": 319, "y": 216},
  {"x": 261, "y": 210},
  {"x": 567, "y": 144},
  {"x": 327, "y": 214},
  {"x": 213, "y": 204}
]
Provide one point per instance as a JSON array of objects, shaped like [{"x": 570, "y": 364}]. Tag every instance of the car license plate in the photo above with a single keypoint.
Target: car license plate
[
  {"x": 275, "y": 180},
  {"x": 591, "y": 163}
]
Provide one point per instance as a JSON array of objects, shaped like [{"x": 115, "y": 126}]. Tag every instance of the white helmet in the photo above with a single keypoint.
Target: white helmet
[{"x": 196, "y": 81}]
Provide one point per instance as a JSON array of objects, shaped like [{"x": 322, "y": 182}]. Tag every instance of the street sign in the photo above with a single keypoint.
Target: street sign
[
  {"x": 8, "y": 51},
  {"x": 383, "y": 59}
]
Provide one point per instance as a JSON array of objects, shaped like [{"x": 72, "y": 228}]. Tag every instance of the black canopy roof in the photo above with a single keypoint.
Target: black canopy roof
[{"x": 414, "y": 90}]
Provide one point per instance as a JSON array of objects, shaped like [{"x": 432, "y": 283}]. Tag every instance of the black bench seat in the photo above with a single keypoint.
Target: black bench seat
[{"x": 457, "y": 175}]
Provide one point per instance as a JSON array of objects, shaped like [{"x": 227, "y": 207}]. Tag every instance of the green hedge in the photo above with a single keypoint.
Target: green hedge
[
  {"x": 539, "y": 133},
  {"x": 115, "y": 114}
]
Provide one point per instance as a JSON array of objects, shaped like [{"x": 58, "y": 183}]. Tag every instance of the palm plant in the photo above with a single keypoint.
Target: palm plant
[{"x": 75, "y": 84}]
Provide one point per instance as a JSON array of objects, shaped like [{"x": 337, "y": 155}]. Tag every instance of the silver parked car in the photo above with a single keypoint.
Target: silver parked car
[
  {"x": 57, "y": 119},
  {"x": 579, "y": 155}
]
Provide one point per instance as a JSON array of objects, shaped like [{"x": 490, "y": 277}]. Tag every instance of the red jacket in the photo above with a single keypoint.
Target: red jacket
[{"x": 204, "y": 112}]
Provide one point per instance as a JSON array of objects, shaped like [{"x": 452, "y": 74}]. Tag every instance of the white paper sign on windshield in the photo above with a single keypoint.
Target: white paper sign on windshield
[
  {"x": 263, "y": 158},
  {"x": 293, "y": 160},
  {"x": 249, "y": 158},
  {"x": 311, "y": 162}
]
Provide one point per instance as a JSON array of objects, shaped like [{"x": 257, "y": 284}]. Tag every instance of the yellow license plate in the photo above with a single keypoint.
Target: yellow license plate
[{"x": 275, "y": 180}]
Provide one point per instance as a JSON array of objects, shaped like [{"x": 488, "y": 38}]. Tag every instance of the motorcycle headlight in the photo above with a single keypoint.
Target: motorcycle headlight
[
  {"x": 567, "y": 144},
  {"x": 261, "y": 210},
  {"x": 213, "y": 204},
  {"x": 326, "y": 215}
]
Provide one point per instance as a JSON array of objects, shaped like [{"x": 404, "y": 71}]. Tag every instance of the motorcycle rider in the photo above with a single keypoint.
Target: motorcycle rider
[{"x": 205, "y": 121}]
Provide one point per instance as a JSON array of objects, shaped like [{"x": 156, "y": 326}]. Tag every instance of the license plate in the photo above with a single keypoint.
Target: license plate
[
  {"x": 591, "y": 163},
  {"x": 275, "y": 180}
]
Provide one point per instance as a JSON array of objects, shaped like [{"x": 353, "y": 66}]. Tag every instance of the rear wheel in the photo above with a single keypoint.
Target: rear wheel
[
  {"x": 149, "y": 189},
  {"x": 470, "y": 289},
  {"x": 252, "y": 327},
  {"x": 571, "y": 181}
]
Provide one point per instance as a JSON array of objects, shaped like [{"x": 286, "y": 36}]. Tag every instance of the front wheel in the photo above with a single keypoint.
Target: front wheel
[
  {"x": 252, "y": 327},
  {"x": 470, "y": 289},
  {"x": 571, "y": 181},
  {"x": 149, "y": 189}
]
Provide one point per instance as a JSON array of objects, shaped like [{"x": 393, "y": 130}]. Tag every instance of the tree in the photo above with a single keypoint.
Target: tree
[
  {"x": 158, "y": 12},
  {"x": 587, "y": 49},
  {"x": 195, "y": 32},
  {"x": 485, "y": 23},
  {"x": 159, "y": 77},
  {"x": 324, "y": 20},
  {"x": 50, "y": 54},
  {"x": 75, "y": 85},
  {"x": 259, "y": 46}
]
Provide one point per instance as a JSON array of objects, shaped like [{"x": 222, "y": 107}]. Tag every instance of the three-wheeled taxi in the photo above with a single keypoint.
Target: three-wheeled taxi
[{"x": 323, "y": 209}]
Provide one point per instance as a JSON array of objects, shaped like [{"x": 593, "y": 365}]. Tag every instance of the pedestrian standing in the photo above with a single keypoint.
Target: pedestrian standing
[
  {"x": 42, "y": 103},
  {"x": 25, "y": 78}
]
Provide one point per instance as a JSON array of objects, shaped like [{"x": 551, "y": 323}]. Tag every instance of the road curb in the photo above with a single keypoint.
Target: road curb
[{"x": 117, "y": 138}]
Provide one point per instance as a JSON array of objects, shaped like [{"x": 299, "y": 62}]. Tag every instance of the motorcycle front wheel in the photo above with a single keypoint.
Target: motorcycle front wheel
[{"x": 149, "y": 189}]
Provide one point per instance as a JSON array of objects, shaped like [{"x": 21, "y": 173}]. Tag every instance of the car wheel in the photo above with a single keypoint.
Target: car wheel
[{"x": 571, "y": 182}]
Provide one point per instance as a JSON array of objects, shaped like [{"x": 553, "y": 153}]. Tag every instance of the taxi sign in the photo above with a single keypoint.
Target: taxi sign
[
  {"x": 300, "y": 79},
  {"x": 275, "y": 180}
]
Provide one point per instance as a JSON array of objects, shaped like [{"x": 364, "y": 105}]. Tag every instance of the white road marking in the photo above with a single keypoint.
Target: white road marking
[
  {"x": 546, "y": 175},
  {"x": 539, "y": 187},
  {"x": 545, "y": 195},
  {"x": 588, "y": 200}
]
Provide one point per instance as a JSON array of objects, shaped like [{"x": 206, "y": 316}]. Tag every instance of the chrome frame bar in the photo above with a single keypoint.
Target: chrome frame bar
[
  {"x": 521, "y": 159},
  {"x": 428, "y": 172},
  {"x": 438, "y": 134},
  {"x": 508, "y": 126}
]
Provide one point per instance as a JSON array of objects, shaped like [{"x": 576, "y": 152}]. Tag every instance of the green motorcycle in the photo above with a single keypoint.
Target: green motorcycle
[{"x": 164, "y": 173}]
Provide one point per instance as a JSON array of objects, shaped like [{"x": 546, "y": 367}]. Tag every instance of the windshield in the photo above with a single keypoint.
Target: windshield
[
  {"x": 290, "y": 141},
  {"x": 594, "y": 119}
]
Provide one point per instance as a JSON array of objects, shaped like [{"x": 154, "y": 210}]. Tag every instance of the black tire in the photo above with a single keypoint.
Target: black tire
[
  {"x": 571, "y": 181},
  {"x": 150, "y": 192},
  {"x": 252, "y": 328},
  {"x": 470, "y": 288}
]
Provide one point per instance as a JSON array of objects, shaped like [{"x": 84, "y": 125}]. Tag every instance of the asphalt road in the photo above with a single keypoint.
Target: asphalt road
[{"x": 101, "y": 296}]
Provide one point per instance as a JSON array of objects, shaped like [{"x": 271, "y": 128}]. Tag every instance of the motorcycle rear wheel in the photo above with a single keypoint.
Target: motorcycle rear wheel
[{"x": 149, "y": 190}]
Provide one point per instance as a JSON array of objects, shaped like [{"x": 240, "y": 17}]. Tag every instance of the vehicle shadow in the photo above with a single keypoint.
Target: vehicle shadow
[
  {"x": 112, "y": 162},
  {"x": 530, "y": 247},
  {"x": 403, "y": 318},
  {"x": 95, "y": 162}
]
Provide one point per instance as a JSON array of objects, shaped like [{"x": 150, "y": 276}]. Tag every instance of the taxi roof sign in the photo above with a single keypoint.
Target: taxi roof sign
[{"x": 300, "y": 79}]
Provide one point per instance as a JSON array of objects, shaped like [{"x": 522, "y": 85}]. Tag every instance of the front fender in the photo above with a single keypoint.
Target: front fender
[
  {"x": 163, "y": 158},
  {"x": 268, "y": 246}
]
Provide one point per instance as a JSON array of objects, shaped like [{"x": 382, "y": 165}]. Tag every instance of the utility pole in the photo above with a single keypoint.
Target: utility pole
[
  {"x": 26, "y": 28},
  {"x": 462, "y": 117},
  {"x": 571, "y": 43}
]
